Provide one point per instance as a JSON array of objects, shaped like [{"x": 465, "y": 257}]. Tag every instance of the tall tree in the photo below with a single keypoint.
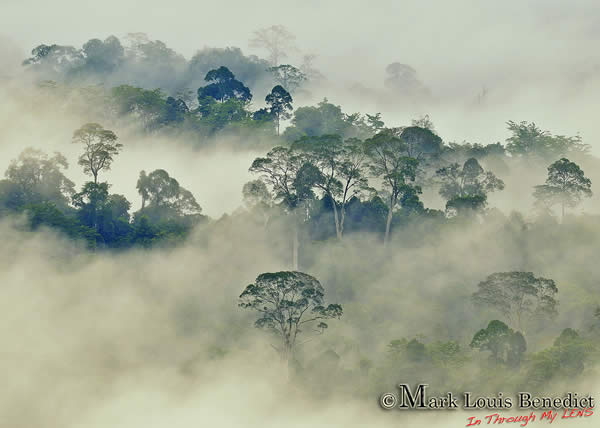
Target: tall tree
[
  {"x": 403, "y": 79},
  {"x": 288, "y": 303},
  {"x": 307, "y": 67},
  {"x": 108, "y": 214},
  {"x": 38, "y": 177},
  {"x": 421, "y": 142},
  {"x": 257, "y": 198},
  {"x": 175, "y": 110},
  {"x": 276, "y": 39},
  {"x": 424, "y": 122},
  {"x": 288, "y": 76},
  {"x": 142, "y": 187},
  {"x": 167, "y": 199},
  {"x": 100, "y": 148},
  {"x": 566, "y": 185},
  {"x": 528, "y": 140},
  {"x": 223, "y": 86},
  {"x": 292, "y": 180},
  {"x": 388, "y": 160},
  {"x": 90, "y": 202},
  {"x": 149, "y": 106},
  {"x": 466, "y": 187},
  {"x": 519, "y": 296},
  {"x": 280, "y": 102},
  {"x": 341, "y": 171}
]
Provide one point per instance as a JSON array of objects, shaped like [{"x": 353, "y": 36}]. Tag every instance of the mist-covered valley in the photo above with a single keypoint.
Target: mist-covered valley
[{"x": 252, "y": 224}]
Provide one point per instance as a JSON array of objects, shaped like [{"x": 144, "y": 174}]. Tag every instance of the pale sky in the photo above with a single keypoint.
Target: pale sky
[{"x": 539, "y": 59}]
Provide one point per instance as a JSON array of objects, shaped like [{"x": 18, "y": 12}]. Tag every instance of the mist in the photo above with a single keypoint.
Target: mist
[
  {"x": 536, "y": 61},
  {"x": 147, "y": 332}
]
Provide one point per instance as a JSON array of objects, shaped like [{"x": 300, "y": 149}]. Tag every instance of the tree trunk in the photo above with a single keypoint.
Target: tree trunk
[
  {"x": 295, "y": 246},
  {"x": 388, "y": 223},
  {"x": 338, "y": 230},
  {"x": 343, "y": 211},
  {"x": 562, "y": 218},
  {"x": 286, "y": 359}
]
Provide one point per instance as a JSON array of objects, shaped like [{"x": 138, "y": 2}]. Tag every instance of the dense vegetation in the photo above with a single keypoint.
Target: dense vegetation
[{"x": 328, "y": 178}]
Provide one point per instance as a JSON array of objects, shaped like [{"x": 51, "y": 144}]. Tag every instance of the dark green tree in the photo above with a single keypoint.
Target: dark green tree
[
  {"x": 389, "y": 161},
  {"x": 505, "y": 345},
  {"x": 166, "y": 198},
  {"x": 248, "y": 69},
  {"x": 102, "y": 56},
  {"x": 223, "y": 86},
  {"x": 99, "y": 148},
  {"x": 466, "y": 188},
  {"x": 292, "y": 180},
  {"x": 324, "y": 119},
  {"x": 341, "y": 171},
  {"x": 566, "y": 185},
  {"x": 175, "y": 110},
  {"x": 149, "y": 106},
  {"x": 289, "y": 303},
  {"x": 107, "y": 214},
  {"x": 280, "y": 103},
  {"x": 421, "y": 142}
]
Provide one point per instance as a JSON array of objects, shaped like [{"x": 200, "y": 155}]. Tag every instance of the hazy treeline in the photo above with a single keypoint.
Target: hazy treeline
[{"x": 409, "y": 257}]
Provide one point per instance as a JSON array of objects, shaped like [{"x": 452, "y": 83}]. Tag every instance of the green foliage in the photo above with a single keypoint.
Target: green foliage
[
  {"x": 53, "y": 61},
  {"x": 175, "y": 110},
  {"x": 99, "y": 148},
  {"x": 217, "y": 116},
  {"x": 280, "y": 102},
  {"x": 421, "y": 142},
  {"x": 288, "y": 76},
  {"x": 47, "y": 214},
  {"x": 34, "y": 177},
  {"x": 340, "y": 174},
  {"x": 461, "y": 152},
  {"x": 389, "y": 161},
  {"x": 101, "y": 56},
  {"x": 505, "y": 345},
  {"x": 107, "y": 214},
  {"x": 282, "y": 169},
  {"x": 445, "y": 355},
  {"x": 328, "y": 119},
  {"x": 166, "y": 199},
  {"x": 448, "y": 355},
  {"x": 249, "y": 69},
  {"x": 566, "y": 185},
  {"x": 565, "y": 359},
  {"x": 223, "y": 86},
  {"x": 287, "y": 304},
  {"x": 527, "y": 140},
  {"x": 465, "y": 188},
  {"x": 518, "y": 295},
  {"x": 149, "y": 106}
]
